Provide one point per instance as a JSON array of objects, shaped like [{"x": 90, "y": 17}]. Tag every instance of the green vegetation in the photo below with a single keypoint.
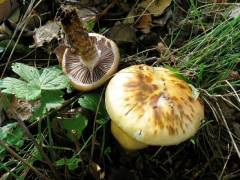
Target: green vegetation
[{"x": 68, "y": 133}]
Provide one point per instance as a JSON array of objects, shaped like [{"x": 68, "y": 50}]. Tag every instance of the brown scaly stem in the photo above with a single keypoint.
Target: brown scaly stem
[{"x": 77, "y": 36}]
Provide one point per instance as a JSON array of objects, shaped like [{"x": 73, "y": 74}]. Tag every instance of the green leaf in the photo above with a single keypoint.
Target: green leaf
[
  {"x": 52, "y": 99},
  {"x": 200, "y": 74},
  {"x": 11, "y": 44},
  {"x": 193, "y": 141},
  {"x": 71, "y": 163},
  {"x": 34, "y": 91},
  {"x": 75, "y": 126},
  {"x": 49, "y": 100},
  {"x": 50, "y": 79},
  {"x": 178, "y": 74},
  {"x": 12, "y": 135},
  {"x": 1, "y": 49},
  {"x": 90, "y": 101},
  {"x": 53, "y": 79},
  {"x": 21, "y": 89},
  {"x": 27, "y": 73},
  {"x": 90, "y": 25}
]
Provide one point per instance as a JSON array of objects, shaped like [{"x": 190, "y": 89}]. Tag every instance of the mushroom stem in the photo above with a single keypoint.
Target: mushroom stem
[
  {"x": 126, "y": 141},
  {"x": 78, "y": 38}
]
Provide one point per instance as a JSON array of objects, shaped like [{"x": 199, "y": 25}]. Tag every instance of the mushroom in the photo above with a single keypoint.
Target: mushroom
[
  {"x": 151, "y": 106},
  {"x": 6, "y": 8},
  {"x": 91, "y": 58}
]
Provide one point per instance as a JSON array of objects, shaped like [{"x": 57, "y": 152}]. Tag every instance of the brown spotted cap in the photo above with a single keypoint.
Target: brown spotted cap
[
  {"x": 105, "y": 65},
  {"x": 153, "y": 106}
]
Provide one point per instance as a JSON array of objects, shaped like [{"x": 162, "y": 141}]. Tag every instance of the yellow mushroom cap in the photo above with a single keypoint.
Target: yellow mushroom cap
[
  {"x": 153, "y": 106},
  {"x": 106, "y": 64}
]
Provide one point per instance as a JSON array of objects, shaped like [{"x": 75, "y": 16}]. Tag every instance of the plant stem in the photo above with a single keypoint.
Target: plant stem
[
  {"x": 30, "y": 136},
  {"x": 94, "y": 125},
  {"x": 12, "y": 152},
  {"x": 38, "y": 147}
]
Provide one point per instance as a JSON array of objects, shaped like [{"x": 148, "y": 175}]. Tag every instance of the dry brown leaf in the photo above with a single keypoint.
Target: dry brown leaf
[
  {"x": 13, "y": 19},
  {"x": 130, "y": 19},
  {"x": 87, "y": 14},
  {"x": 96, "y": 171},
  {"x": 162, "y": 20},
  {"x": 123, "y": 33},
  {"x": 144, "y": 24},
  {"x": 166, "y": 53},
  {"x": 59, "y": 51},
  {"x": 19, "y": 109},
  {"x": 46, "y": 33},
  {"x": 154, "y": 7}
]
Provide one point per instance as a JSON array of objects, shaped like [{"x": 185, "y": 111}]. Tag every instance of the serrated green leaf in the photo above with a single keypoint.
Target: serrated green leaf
[
  {"x": 71, "y": 163},
  {"x": 52, "y": 99},
  {"x": 27, "y": 73},
  {"x": 53, "y": 79},
  {"x": 12, "y": 85},
  {"x": 75, "y": 126},
  {"x": 60, "y": 162},
  {"x": 34, "y": 91},
  {"x": 21, "y": 89},
  {"x": 12, "y": 135},
  {"x": 49, "y": 100},
  {"x": 90, "y": 101}
]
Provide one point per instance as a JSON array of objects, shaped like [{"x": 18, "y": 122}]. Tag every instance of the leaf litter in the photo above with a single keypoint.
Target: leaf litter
[{"x": 188, "y": 37}]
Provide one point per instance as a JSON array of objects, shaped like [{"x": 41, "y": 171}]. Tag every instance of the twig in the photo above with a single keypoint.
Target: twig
[
  {"x": 28, "y": 133},
  {"x": 228, "y": 130},
  {"x": 106, "y": 9},
  {"x": 12, "y": 152},
  {"x": 26, "y": 19},
  {"x": 30, "y": 136},
  {"x": 225, "y": 164},
  {"x": 94, "y": 125}
]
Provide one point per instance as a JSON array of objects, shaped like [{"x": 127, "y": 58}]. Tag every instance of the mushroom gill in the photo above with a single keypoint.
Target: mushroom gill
[{"x": 76, "y": 69}]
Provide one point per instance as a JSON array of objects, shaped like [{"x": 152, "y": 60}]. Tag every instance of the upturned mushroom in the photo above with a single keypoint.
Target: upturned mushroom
[
  {"x": 151, "y": 106},
  {"x": 90, "y": 58}
]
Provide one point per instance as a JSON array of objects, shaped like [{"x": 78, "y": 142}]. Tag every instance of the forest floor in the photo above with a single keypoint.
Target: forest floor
[{"x": 52, "y": 131}]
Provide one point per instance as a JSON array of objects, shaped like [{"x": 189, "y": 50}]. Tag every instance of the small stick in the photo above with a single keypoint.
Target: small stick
[
  {"x": 30, "y": 136},
  {"x": 12, "y": 152}
]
